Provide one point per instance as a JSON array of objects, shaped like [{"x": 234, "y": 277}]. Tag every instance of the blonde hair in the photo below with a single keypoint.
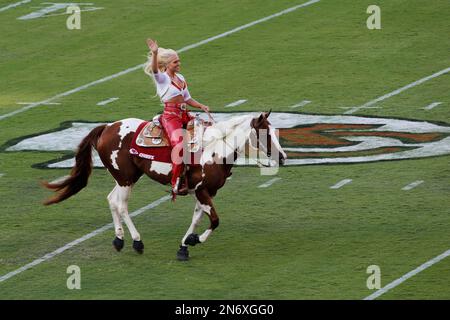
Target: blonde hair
[{"x": 164, "y": 58}]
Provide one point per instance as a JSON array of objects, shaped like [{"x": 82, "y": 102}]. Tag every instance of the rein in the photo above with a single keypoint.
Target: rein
[{"x": 253, "y": 131}]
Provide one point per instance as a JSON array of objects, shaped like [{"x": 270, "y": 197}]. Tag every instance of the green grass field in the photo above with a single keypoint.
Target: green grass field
[{"x": 297, "y": 239}]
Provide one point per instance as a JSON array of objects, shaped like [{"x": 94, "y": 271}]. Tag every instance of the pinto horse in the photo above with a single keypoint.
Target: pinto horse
[{"x": 222, "y": 143}]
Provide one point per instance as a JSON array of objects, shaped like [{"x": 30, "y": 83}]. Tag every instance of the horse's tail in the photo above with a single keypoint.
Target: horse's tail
[{"x": 80, "y": 172}]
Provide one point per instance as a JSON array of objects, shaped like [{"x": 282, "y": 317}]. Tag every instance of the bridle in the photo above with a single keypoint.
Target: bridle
[{"x": 264, "y": 149}]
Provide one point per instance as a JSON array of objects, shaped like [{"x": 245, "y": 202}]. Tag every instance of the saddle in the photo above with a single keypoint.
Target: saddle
[{"x": 153, "y": 134}]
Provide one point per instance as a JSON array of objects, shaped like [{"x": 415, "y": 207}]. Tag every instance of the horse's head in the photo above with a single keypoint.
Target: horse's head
[{"x": 264, "y": 138}]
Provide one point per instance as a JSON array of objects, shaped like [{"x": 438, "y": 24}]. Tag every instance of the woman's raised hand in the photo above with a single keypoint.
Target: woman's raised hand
[{"x": 152, "y": 45}]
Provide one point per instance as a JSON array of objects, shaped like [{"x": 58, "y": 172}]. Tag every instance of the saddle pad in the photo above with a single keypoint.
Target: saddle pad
[
  {"x": 162, "y": 153},
  {"x": 152, "y": 135}
]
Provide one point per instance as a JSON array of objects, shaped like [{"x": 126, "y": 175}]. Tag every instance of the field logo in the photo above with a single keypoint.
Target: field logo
[
  {"x": 306, "y": 139},
  {"x": 52, "y": 7},
  {"x": 374, "y": 20}
]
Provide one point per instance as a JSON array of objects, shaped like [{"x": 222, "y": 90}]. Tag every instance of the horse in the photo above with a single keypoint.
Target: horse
[{"x": 222, "y": 143}]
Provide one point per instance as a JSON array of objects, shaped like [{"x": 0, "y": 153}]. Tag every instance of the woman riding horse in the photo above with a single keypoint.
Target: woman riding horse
[{"x": 164, "y": 67}]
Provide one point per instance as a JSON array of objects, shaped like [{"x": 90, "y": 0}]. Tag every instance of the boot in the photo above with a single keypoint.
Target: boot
[
  {"x": 181, "y": 187},
  {"x": 179, "y": 181}
]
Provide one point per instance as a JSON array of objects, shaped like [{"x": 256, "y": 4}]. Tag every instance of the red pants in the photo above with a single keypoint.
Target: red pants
[{"x": 172, "y": 119}]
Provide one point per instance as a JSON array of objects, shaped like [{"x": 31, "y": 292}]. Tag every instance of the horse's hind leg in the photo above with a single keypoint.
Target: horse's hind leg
[
  {"x": 183, "y": 253},
  {"x": 119, "y": 201},
  {"x": 118, "y": 241}
]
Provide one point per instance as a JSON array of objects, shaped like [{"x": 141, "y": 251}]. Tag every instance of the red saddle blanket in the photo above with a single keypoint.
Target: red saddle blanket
[
  {"x": 162, "y": 154},
  {"x": 161, "y": 151}
]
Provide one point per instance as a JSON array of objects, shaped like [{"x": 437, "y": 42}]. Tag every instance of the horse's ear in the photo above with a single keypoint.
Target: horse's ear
[
  {"x": 268, "y": 113},
  {"x": 257, "y": 121},
  {"x": 261, "y": 118}
]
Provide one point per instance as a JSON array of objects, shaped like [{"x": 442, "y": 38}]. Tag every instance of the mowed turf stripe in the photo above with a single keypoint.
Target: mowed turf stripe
[
  {"x": 72, "y": 244},
  {"x": 410, "y": 274},
  {"x": 140, "y": 66},
  {"x": 395, "y": 92}
]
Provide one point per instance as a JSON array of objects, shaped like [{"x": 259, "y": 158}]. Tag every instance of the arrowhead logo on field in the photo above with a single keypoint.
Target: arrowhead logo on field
[
  {"x": 55, "y": 7},
  {"x": 307, "y": 139}
]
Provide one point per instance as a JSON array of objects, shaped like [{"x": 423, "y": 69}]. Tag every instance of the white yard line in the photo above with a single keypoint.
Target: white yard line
[
  {"x": 269, "y": 183},
  {"x": 67, "y": 93},
  {"x": 236, "y": 103},
  {"x": 248, "y": 25},
  {"x": 412, "y": 185},
  {"x": 102, "y": 103},
  {"x": 410, "y": 274},
  {"x": 48, "y": 103},
  {"x": 301, "y": 104},
  {"x": 341, "y": 183},
  {"x": 395, "y": 92},
  {"x": 140, "y": 66},
  {"x": 432, "y": 105},
  {"x": 13, "y": 5},
  {"x": 72, "y": 244}
]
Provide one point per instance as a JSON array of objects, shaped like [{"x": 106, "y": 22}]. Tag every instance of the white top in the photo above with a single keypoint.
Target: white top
[{"x": 167, "y": 89}]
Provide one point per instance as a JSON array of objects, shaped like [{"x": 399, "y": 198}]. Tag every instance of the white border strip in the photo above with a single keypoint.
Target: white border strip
[
  {"x": 341, "y": 183},
  {"x": 140, "y": 66},
  {"x": 13, "y": 5},
  {"x": 269, "y": 183},
  {"x": 72, "y": 244},
  {"x": 395, "y": 92},
  {"x": 410, "y": 274}
]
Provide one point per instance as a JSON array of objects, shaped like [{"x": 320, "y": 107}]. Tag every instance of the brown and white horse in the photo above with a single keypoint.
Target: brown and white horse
[{"x": 222, "y": 143}]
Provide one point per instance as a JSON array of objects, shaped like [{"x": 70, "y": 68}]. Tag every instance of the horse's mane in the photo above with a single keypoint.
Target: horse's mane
[
  {"x": 224, "y": 128},
  {"x": 220, "y": 139}
]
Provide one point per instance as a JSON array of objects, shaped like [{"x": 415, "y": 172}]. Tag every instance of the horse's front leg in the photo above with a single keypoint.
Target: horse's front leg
[{"x": 204, "y": 204}]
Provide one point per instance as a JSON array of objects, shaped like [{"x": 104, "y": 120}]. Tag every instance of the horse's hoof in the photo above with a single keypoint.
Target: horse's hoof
[
  {"x": 138, "y": 246},
  {"x": 183, "y": 254},
  {"x": 118, "y": 244},
  {"x": 192, "y": 239}
]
